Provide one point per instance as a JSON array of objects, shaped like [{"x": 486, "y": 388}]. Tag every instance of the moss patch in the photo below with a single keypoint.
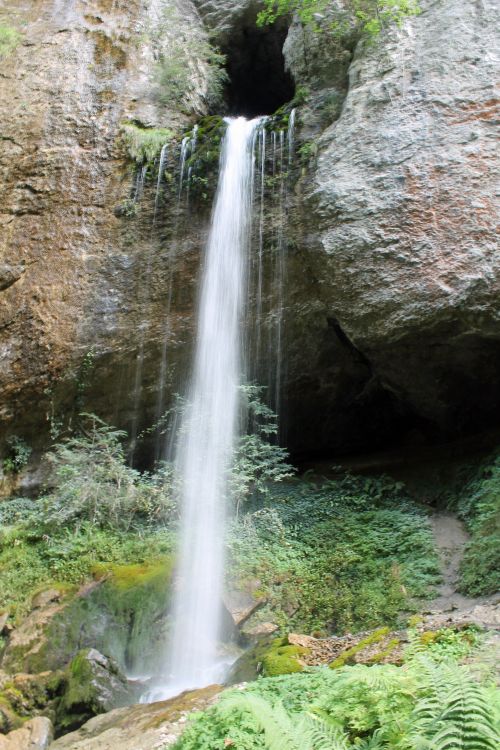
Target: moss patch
[{"x": 347, "y": 657}]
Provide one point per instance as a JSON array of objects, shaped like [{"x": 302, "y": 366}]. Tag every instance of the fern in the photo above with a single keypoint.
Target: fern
[
  {"x": 423, "y": 705},
  {"x": 455, "y": 714},
  {"x": 278, "y": 729}
]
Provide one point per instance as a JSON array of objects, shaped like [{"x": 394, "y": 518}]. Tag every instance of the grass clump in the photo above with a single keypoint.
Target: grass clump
[
  {"x": 9, "y": 39},
  {"x": 143, "y": 145}
]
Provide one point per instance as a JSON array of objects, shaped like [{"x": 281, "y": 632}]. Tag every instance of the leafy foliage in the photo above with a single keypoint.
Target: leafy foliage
[
  {"x": 365, "y": 16},
  {"x": 31, "y": 560},
  {"x": 479, "y": 506},
  {"x": 18, "y": 455},
  {"x": 259, "y": 460},
  {"x": 143, "y": 145},
  {"x": 420, "y": 705},
  {"x": 93, "y": 484}
]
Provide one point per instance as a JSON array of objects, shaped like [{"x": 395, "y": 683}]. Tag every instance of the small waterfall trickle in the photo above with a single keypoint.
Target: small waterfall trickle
[
  {"x": 161, "y": 167},
  {"x": 208, "y": 431}
]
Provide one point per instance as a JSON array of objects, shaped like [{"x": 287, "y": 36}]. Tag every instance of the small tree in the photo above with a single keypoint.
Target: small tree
[
  {"x": 258, "y": 460},
  {"x": 93, "y": 483}
]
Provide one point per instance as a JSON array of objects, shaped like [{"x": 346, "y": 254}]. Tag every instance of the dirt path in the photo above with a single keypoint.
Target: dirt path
[{"x": 449, "y": 605}]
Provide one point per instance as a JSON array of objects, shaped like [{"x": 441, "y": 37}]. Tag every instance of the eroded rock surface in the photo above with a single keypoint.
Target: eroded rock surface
[
  {"x": 142, "y": 727},
  {"x": 402, "y": 247}
]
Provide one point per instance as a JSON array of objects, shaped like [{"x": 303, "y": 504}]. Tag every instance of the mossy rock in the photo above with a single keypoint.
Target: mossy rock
[
  {"x": 349, "y": 656},
  {"x": 94, "y": 685},
  {"x": 122, "y": 614},
  {"x": 270, "y": 657},
  {"x": 24, "y": 696}
]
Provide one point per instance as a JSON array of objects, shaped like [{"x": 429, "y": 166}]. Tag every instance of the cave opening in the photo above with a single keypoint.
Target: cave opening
[{"x": 258, "y": 83}]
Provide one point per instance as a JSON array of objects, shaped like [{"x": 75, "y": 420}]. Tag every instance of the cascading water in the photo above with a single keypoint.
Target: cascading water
[{"x": 209, "y": 425}]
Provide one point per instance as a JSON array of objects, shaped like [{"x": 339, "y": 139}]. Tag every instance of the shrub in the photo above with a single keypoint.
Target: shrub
[
  {"x": 259, "y": 461},
  {"x": 368, "y": 17},
  {"x": 17, "y": 456},
  {"x": 92, "y": 483},
  {"x": 420, "y": 705},
  {"x": 479, "y": 506}
]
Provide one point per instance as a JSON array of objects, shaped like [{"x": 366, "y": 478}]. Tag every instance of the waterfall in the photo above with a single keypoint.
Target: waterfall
[{"x": 209, "y": 425}]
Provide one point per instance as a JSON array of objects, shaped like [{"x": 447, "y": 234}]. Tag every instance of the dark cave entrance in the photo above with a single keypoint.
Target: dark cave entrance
[{"x": 258, "y": 82}]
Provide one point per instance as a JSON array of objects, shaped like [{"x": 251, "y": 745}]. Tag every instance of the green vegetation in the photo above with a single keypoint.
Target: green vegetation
[
  {"x": 174, "y": 72},
  {"x": 9, "y": 39},
  {"x": 143, "y": 145},
  {"x": 368, "y": 17},
  {"x": 281, "y": 658},
  {"x": 332, "y": 556},
  {"x": 423, "y": 704},
  {"x": 478, "y": 505},
  {"x": 259, "y": 461},
  {"x": 18, "y": 454}
]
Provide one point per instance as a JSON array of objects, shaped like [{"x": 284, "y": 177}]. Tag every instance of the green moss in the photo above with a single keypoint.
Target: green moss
[
  {"x": 282, "y": 658},
  {"x": 347, "y": 657},
  {"x": 127, "y": 577},
  {"x": 385, "y": 652},
  {"x": 143, "y": 145}
]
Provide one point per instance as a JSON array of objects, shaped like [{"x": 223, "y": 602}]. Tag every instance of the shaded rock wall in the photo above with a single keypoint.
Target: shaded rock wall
[{"x": 402, "y": 247}]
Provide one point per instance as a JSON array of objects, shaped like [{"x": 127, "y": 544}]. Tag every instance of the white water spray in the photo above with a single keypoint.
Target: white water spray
[{"x": 209, "y": 426}]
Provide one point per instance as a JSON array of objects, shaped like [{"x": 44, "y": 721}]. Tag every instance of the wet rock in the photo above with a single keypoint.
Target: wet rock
[
  {"x": 24, "y": 696},
  {"x": 36, "y": 734},
  {"x": 242, "y": 605},
  {"x": 122, "y": 614},
  {"x": 140, "y": 727},
  {"x": 94, "y": 685}
]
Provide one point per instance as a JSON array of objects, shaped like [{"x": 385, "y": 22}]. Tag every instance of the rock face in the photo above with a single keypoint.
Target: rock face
[
  {"x": 401, "y": 249},
  {"x": 70, "y": 270},
  {"x": 392, "y": 303}
]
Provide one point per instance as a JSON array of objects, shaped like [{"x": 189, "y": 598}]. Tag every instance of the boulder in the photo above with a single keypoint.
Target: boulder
[
  {"x": 35, "y": 734},
  {"x": 94, "y": 685},
  {"x": 122, "y": 613}
]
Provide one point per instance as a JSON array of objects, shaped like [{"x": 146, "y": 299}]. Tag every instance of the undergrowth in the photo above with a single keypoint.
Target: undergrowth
[
  {"x": 334, "y": 556},
  {"x": 478, "y": 504}
]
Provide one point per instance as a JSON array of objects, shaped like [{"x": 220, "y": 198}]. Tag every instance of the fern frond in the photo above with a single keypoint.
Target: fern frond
[
  {"x": 456, "y": 714},
  {"x": 279, "y": 730},
  {"x": 322, "y": 734}
]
